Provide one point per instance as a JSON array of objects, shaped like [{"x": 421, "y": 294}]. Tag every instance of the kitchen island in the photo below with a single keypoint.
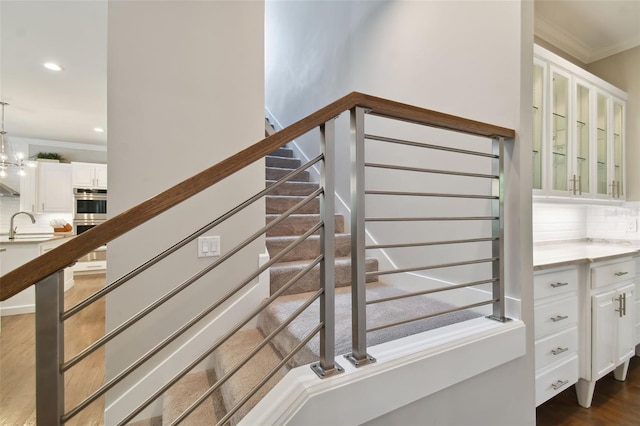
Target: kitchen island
[{"x": 20, "y": 250}]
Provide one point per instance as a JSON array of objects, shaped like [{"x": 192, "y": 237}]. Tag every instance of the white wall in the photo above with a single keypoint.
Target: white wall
[
  {"x": 185, "y": 91},
  {"x": 466, "y": 58},
  {"x": 622, "y": 70}
]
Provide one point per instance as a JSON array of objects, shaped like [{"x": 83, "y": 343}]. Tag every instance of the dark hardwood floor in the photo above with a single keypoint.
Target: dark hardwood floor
[{"x": 614, "y": 403}]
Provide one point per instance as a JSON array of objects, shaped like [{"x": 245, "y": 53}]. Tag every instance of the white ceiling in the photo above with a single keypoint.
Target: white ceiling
[
  {"x": 68, "y": 105},
  {"x": 589, "y": 30}
]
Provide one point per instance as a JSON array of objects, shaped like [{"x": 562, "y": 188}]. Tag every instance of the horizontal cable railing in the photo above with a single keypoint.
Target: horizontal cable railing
[{"x": 45, "y": 271}]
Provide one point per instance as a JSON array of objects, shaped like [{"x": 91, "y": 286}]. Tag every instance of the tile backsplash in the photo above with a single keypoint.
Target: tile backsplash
[
  {"x": 10, "y": 205},
  {"x": 552, "y": 222}
]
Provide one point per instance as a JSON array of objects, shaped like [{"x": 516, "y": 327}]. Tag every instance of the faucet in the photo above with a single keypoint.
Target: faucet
[{"x": 12, "y": 229}]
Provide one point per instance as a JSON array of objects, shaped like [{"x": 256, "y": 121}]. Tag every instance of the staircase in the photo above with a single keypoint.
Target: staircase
[
  {"x": 215, "y": 407},
  {"x": 187, "y": 390}
]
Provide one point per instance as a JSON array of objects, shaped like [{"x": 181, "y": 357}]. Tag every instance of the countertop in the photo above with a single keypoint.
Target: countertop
[
  {"x": 32, "y": 238},
  {"x": 561, "y": 254}
]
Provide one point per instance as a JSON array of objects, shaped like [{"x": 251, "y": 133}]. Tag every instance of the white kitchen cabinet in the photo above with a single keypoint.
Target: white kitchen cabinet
[
  {"x": 47, "y": 189},
  {"x": 556, "y": 331},
  {"x": 579, "y": 119},
  {"x": 609, "y": 337},
  {"x": 89, "y": 175}
]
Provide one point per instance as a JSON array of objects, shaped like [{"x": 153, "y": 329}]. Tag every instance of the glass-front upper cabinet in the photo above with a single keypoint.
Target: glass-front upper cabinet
[
  {"x": 578, "y": 132},
  {"x": 559, "y": 132},
  {"x": 602, "y": 145},
  {"x": 538, "y": 123},
  {"x": 580, "y": 181},
  {"x": 618, "y": 150}
]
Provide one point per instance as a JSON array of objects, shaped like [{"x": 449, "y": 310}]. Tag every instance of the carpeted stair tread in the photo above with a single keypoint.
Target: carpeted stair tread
[
  {"x": 153, "y": 421},
  {"x": 307, "y": 249},
  {"x": 275, "y": 173},
  {"x": 282, "y": 203},
  {"x": 298, "y": 224},
  {"x": 282, "y": 152},
  {"x": 283, "y": 162},
  {"x": 245, "y": 379},
  {"x": 186, "y": 391},
  {"x": 292, "y": 188},
  {"x": 281, "y": 273},
  {"x": 377, "y": 314}
]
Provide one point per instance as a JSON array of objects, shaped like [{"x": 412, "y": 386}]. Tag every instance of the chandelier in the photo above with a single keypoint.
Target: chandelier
[{"x": 8, "y": 161}]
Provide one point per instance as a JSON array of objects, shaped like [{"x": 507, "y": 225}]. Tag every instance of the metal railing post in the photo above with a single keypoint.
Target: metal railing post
[
  {"x": 497, "y": 231},
  {"x": 358, "y": 356},
  {"x": 327, "y": 366},
  {"x": 49, "y": 349}
]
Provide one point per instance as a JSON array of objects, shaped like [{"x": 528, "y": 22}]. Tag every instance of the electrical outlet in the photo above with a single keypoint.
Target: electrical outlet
[
  {"x": 208, "y": 246},
  {"x": 632, "y": 225}
]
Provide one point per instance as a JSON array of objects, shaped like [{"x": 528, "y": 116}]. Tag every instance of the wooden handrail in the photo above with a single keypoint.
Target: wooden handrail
[{"x": 59, "y": 258}]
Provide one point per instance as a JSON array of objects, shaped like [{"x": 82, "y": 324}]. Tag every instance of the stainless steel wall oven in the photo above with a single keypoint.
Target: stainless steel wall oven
[{"x": 89, "y": 208}]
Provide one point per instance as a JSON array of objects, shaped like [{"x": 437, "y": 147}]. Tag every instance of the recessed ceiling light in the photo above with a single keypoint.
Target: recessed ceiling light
[
  {"x": 53, "y": 67},
  {"x": 98, "y": 129}
]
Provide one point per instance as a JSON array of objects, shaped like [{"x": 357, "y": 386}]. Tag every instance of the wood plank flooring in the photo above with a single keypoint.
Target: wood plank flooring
[
  {"x": 614, "y": 403},
  {"x": 17, "y": 360}
]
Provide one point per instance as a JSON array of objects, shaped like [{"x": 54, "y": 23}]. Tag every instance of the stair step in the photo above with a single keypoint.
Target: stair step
[
  {"x": 282, "y": 203},
  {"x": 186, "y": 391},
  {"x": 293, "y": 188},
  {"x": 308, "y": 249},
  {"x": 275, "y": 173},
  {"x": 281, "y": 273},
  {"x": 282, "y": 152},
  {"x": 377, "y": 314},
  {"x": 283, "y": 162},
  {"x": 244, "y": 380},
  {"x": 298, "y": 224}
]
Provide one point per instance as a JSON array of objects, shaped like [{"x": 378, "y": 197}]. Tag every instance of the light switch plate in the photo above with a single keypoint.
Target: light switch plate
[{"x": 208, "y": 246}]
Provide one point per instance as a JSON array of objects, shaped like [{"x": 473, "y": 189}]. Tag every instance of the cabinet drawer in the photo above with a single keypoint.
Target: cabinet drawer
[
  {"x": 612, "y": 273},
  {"x": 553, "y": 381},
  {"x": 555, "y": 283},
  {"x": 555, "y": 316},
  {"x": 556, "y": 348},
  {"x": 90, "y": 267}
]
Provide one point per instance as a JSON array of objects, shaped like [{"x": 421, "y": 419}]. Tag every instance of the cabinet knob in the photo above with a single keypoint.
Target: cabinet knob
[
  {"x": 619, "y": 274},
  {"x": 556, "y": 285}
]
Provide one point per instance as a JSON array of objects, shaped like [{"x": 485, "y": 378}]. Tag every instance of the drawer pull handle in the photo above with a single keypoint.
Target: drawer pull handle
[
  {"x": 559, "y": 318},
  {"x": 559, "y": 350},
  {"x": 560, "y": 383},
  {"x": 556, "y": 285},
  {"x": 619, "y": 274}
]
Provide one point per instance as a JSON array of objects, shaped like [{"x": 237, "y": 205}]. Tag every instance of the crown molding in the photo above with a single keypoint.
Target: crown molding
[
  {"x": 562, "y": 40},
  {"x": 60, "y": 144}
]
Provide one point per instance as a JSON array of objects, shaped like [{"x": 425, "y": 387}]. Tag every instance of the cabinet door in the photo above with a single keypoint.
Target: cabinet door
[
  {"x": 83, "y": 175},
  {"x": 101, "y": 176},
  {"x": 28, "y": 190},
  {"x": 560, "y": 155},
  {"x": 626, "y": 324},
  {"x": 603, "y": 325},
  {"x": 539, "y": 151},
  {"x": 54, "y": 188},
  {"x": 602, "y": 144},
  {"x": 580, "y": 181},
  {"x": 618, "y": 150}
]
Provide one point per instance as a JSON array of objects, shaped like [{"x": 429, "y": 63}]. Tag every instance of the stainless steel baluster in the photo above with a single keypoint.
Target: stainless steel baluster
[
  {"x": 497, "y": 230},
  {"x": 359, "y": 356},
  {"x": 327, "y": 366},
  {"x": 49, "y": 349}
]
